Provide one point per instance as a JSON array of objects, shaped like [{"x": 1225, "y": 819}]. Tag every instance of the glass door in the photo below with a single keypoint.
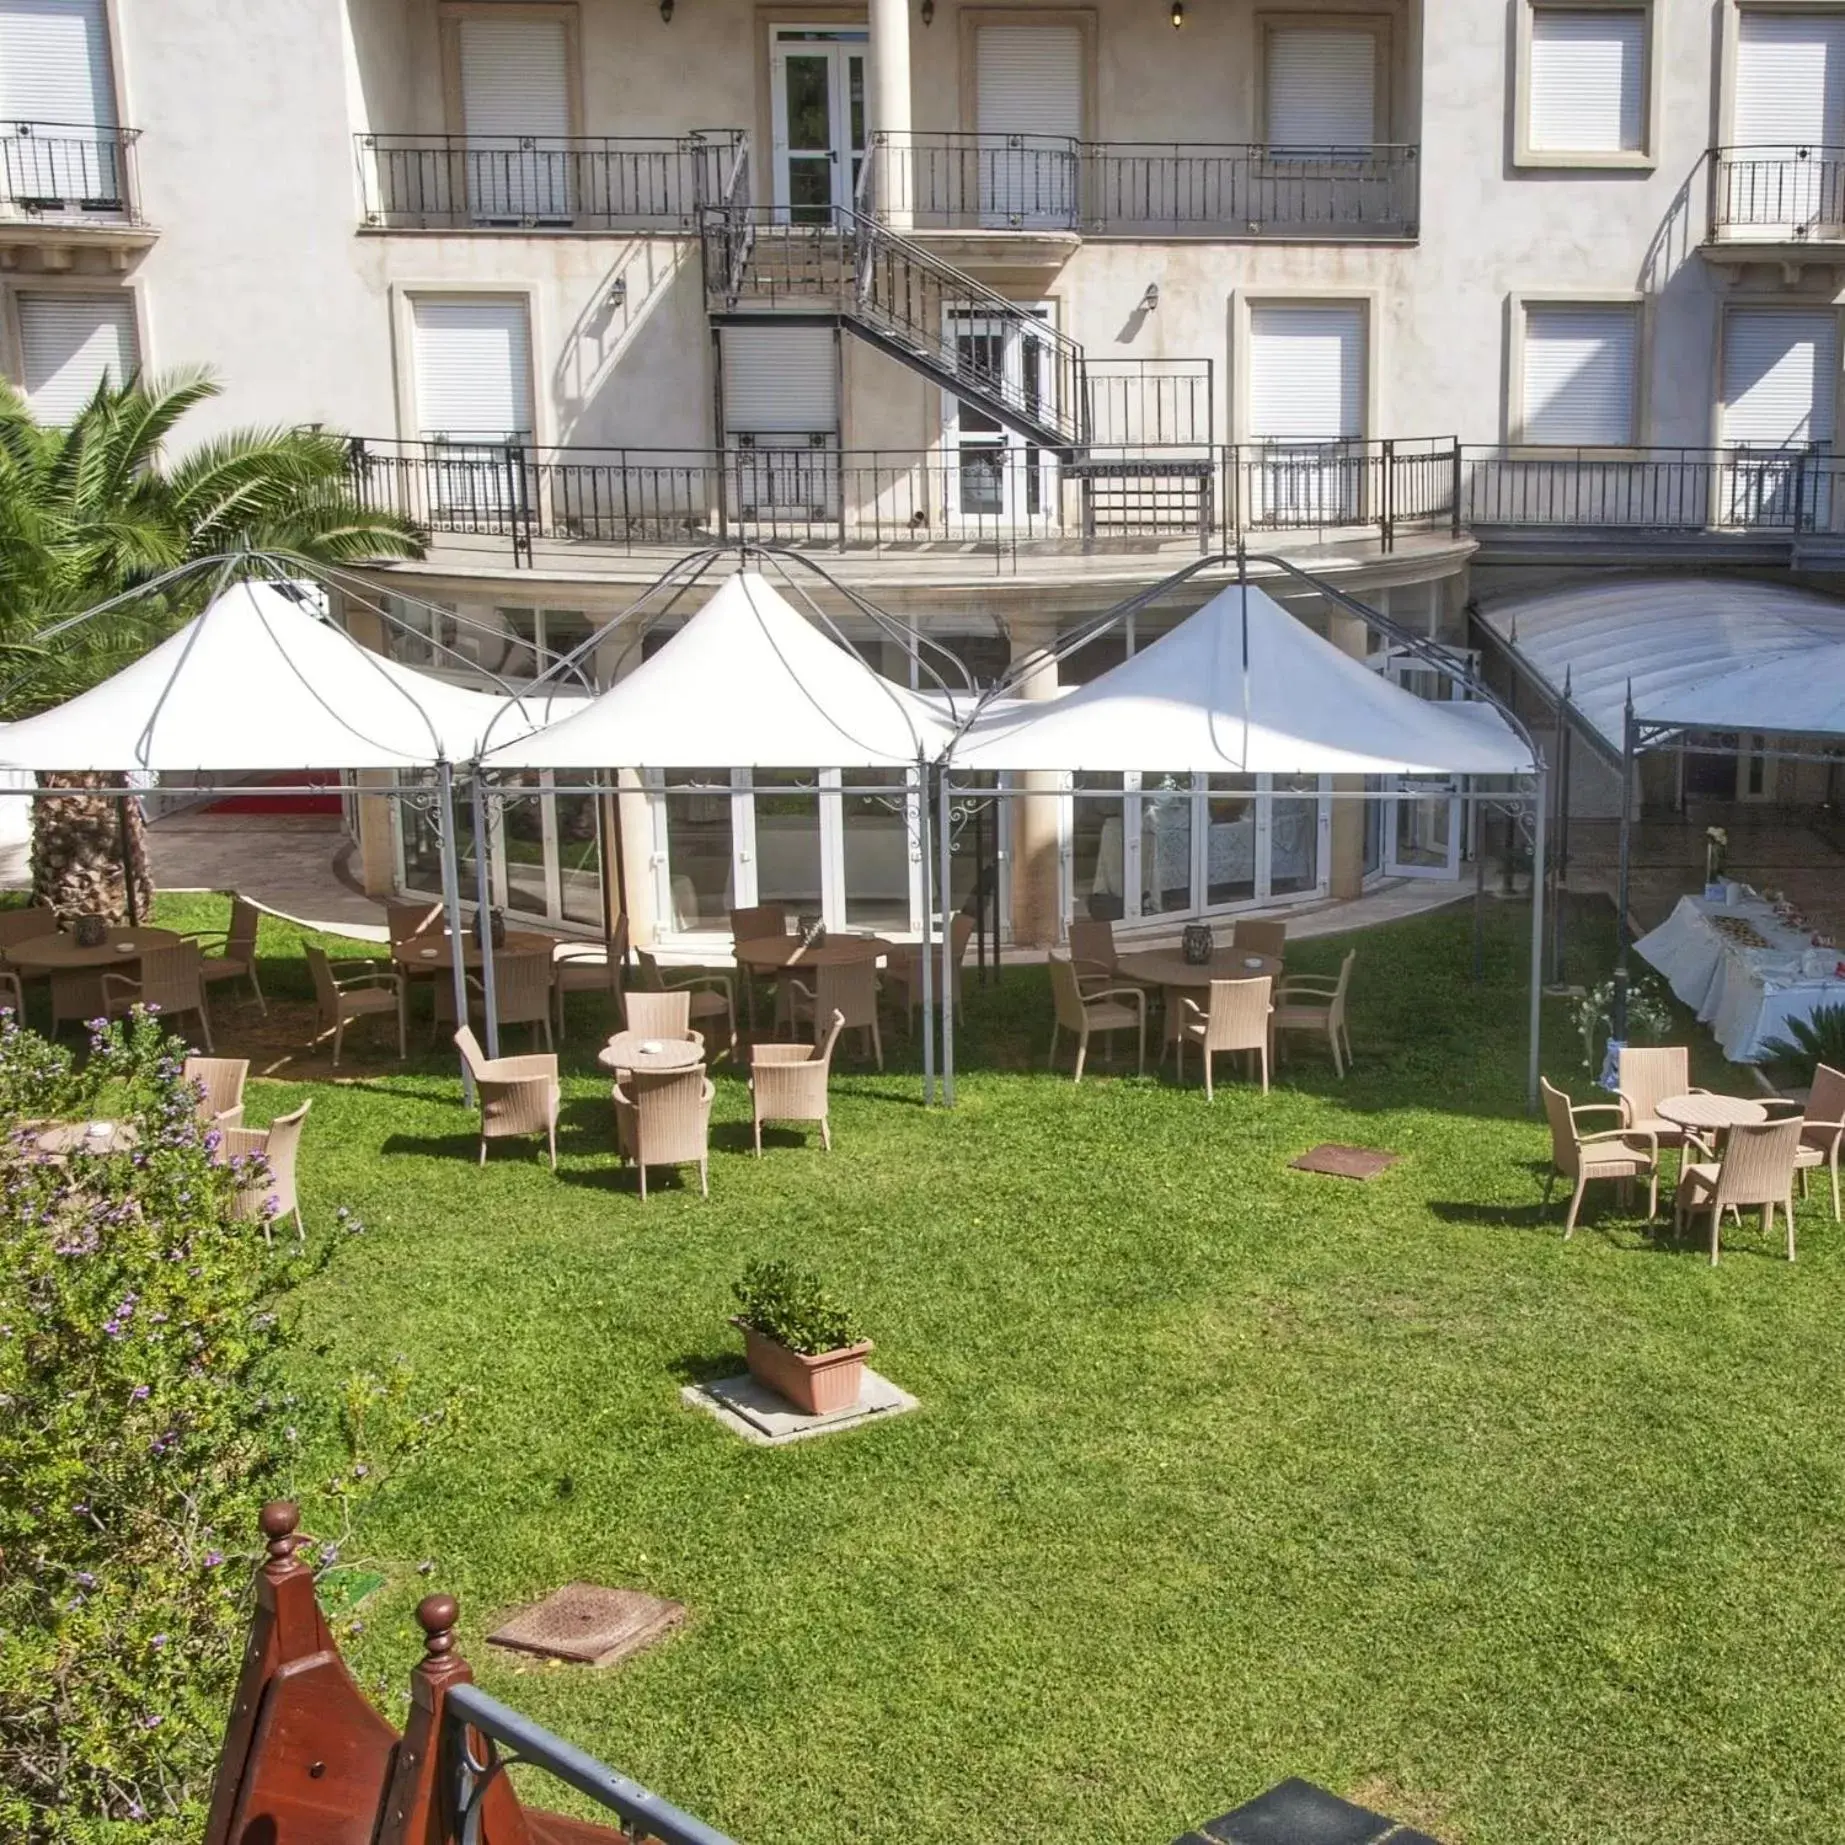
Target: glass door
[
  {"x": 1422, "y": 828},
  {"x": 994, "y": 473},
  {"x": 817, "y": 83}
]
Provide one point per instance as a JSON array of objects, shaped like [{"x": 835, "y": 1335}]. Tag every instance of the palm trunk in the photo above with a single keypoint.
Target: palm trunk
[{"x": 79, "y": 843}]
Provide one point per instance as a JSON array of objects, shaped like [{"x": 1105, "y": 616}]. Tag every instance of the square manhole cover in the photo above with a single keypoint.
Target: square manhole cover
[
  {"x": 588, "y": 1625},
  {"x": 1346, "y": 1162}
]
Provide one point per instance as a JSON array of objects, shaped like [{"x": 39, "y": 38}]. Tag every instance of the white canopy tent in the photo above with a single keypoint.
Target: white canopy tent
[
  {"x": 257, "y": 684},
  {"x": 748, "y": 682},
  {"x": 1243, "y": 687}
]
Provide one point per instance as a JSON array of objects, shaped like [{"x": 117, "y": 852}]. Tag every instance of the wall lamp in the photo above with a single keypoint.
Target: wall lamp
[
  {"x": 1178, "y": 13},
  {"x": 617, "y": 297},
  {"x": 666, "y": 12},
  {"x": 1151, "y": 299},
  {"x": 928, "y": 12}
]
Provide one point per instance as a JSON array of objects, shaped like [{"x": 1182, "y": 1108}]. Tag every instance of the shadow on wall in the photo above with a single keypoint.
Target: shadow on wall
[{"x": 626, "y": 375}]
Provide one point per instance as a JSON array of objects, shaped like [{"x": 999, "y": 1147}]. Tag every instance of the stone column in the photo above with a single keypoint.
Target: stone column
[
  {"x": 377, "y": 812},
  {"x": 1346, "y": 873},
  {"x": 1036, "y": 852},
  {"x": 632, "y": 815},
  {"x": 890, "y": 106}
]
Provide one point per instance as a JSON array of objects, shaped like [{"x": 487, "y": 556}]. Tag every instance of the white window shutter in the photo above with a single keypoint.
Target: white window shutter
[
  {"x": 1587, "y": 80},
  {"x": 1581, "y": 373},
  {"x": 70, "y": 343},
  {"x": 1780, "y": 376},
  {"x": 473, "y": 370},
  {"x": 515, "y": 76},
  {"x": 1790, "y": 79},
  {"x": 780, "y": 380},
  {"x": 1322, "y": 88},
  {"x": 1029, "y": 80},
  {"x": 54, "y": 63},
  {"x": 1306, "y": 372}
]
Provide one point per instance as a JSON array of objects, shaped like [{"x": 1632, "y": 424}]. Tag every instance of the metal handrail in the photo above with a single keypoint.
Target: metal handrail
[
  {"x": 468, "y": 1712},
  {"x": 1788, "y": 186},
  {"x": 69, "y": 170}
]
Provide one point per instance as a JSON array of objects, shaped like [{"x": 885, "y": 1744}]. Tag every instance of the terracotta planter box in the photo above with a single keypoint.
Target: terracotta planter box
[{"x": 816, "y": 1386}]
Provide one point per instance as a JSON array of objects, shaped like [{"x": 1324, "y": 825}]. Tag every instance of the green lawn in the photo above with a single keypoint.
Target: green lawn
[{"x": 1224, "y": 1472}]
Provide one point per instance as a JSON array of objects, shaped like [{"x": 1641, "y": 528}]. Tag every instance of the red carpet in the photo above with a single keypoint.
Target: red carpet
[{"x": 254, "y": 803}]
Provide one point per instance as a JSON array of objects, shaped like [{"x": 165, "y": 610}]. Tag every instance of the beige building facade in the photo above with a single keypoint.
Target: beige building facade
[{"x": 1000, "y": 314}]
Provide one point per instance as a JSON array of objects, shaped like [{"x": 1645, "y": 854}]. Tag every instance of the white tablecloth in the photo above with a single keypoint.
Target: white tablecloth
[{"x": 1745, "y": 995}]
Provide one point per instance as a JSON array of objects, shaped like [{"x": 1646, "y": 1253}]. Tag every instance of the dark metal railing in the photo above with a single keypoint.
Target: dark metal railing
[
  {"x": 947, "y": 181},
  {"x": 1662, "y": 490},
  {"x": 986, "y": 493},
  {"x": 1150, "y": 403},
  {"x": 543, "y": 182},
  {"x": 1789, "y": 192},
  {"x": 67, "y": 171},
  {"x": 475, "y": 1728}
]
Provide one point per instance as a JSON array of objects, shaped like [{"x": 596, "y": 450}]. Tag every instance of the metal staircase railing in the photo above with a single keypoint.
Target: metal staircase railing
[{"x": 994, "y": 354}]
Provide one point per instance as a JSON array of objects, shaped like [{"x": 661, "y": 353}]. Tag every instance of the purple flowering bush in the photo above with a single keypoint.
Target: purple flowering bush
[{"x": 137, "y": 1325}]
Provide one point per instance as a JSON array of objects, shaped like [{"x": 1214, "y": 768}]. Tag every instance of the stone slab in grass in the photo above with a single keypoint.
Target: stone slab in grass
[
  {"x": 1345, "y": 1162},
  {"x": 588, "y": 1625},
  {"x": 758, "y": 1414},
  {"x": 1295, "y": 1812}
]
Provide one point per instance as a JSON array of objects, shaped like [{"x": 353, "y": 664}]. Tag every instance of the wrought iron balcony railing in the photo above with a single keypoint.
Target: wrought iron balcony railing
[
  {"x": 1789, "y": 194},
  {"x": 543, "y": 182},
  {"x": 68, "y": 173},
  {"x": 947, "y": 181}
]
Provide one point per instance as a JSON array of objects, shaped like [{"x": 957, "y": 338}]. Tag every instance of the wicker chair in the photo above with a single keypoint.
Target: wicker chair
[
  {"x": 1260, "y": 938},
  {"x": 1623, "y": 1154},
  {"x": 849, "y": 988},
  {"x": 170, "y": 983},
  {"x": 220, "y": 1081},
  {"x": 753, "y": 924},
  {"x": 521, "y": 993},
  {"x": 517, "y": 1095},
  {"x": 341, "y": 998},
  {"x": 25, "y": 926},
  {"x": 709, "y": 996},
  {"x": 663, "y": 1118},
  {"x": 788, "y": 1082},
  {"x": 659, "y": 1015},
  {"x": 1237, "y": 1019},
  {"x": 1646, "y": 1077},
  {"x": 903, "y": 970},
  {"x": 1822, "y": 1128},
  {"x": 1756, "y": 1168},
  {"x": 278, "y": 1143},
  {"x": 13, "y": 995},
  {"x": 589, "y": 967},
  {"x": 1105, "y": 1009},
  {"x": 237, "y": 959},
  {"x": 1313, "y": 1004},
  {"x": 1092, "y": 952},
  {"x": 406, "y": 920}
]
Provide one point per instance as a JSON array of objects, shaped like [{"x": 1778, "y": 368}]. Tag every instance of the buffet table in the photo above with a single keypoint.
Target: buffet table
[{"x": 1744, "y": 970}]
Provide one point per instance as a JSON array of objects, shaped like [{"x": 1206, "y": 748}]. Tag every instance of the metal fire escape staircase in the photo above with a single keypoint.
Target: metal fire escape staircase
[{"x": 848, "y": 269}]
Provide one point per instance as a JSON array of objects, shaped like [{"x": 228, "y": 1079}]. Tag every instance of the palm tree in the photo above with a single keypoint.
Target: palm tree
[{"x": 90, "y": 512}]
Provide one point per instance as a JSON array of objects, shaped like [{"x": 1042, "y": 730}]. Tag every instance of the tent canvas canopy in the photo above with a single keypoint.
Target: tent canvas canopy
[
  {"x": 256, "y": 683},
  {"x": 748, "y": 682},
  {"x": 1301, "y": 707}
]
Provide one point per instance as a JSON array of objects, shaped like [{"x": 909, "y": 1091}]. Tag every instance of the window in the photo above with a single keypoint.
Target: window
[
  {"x": 55, "y": 75},
  {"x": 69, "y": 344},
  {"x": 536, "y": 640},
  {"x": 424, "y": 635},
  {"x": 1580, "y": 375},
  {"x": 1585, "y": 83},
  {"x": 1029, "y": 82},
  {"x": 781, "y": 416},
  {"x": 473, "y": 370},
  {"x": 515, "y": 109},
  {"x": 1321, "y": 88},
  {"x": 1780, "y": 377},
  {"x": 1307, "y": 367},
  {"x": 1789, "y": 112}
]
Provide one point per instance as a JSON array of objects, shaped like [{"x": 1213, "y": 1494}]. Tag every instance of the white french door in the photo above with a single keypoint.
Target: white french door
[
  {"x": 1423, "y": 826},
  {"x": 994, "y": 473},
  {"x": 817, "y": 102}
]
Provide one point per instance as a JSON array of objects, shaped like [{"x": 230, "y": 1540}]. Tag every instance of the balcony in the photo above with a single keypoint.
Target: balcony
[
  {"x": 1777, "y": 204},
  {"x": 64, "y": 186},
  {"x": 1002, "y": 502},
  {"x": 1236, "y": 192},
  {"x": 543, "y": 183}
]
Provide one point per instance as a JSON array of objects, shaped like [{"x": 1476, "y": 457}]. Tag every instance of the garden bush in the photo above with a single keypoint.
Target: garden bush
[{"x": 137, "y": 1433}]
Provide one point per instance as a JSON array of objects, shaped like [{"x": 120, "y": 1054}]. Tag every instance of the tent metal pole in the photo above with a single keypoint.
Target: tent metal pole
[
  {"x": 944, "y": 846},
  {"x": 928, "y": 902},
  {"x": 483, "y": 913},
  {"x": 1538, "y": 847},
  {"x": 451, "y": 904},
  {"x": 1478, "y": 818},
  {"x": 1617, "y": 1024},
  {"x": 1557, "y": 955}
]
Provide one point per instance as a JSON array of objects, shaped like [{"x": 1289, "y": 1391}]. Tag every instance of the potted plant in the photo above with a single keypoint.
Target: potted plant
[{"x": 798, "y": 1340}]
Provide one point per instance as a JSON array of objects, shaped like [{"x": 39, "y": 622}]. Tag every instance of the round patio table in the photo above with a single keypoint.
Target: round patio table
[
  {"x": 769, "y": 953},
  {"x": 1167, "y": 967},
  {"x": 628, "y": 1050},
  {"x": 435, "y": 951},
  {"x": 1710, "y": 1112},
  {"x": 62, "y": 954},
  {"x": 59, "y": 1137}
]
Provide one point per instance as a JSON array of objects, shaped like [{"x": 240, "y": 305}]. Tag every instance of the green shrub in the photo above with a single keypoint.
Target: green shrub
[
  {"x": 1816, "y": 1039},
  {"x": 137, "y": 1320},
  {"x": 791, "y": 1307}
]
